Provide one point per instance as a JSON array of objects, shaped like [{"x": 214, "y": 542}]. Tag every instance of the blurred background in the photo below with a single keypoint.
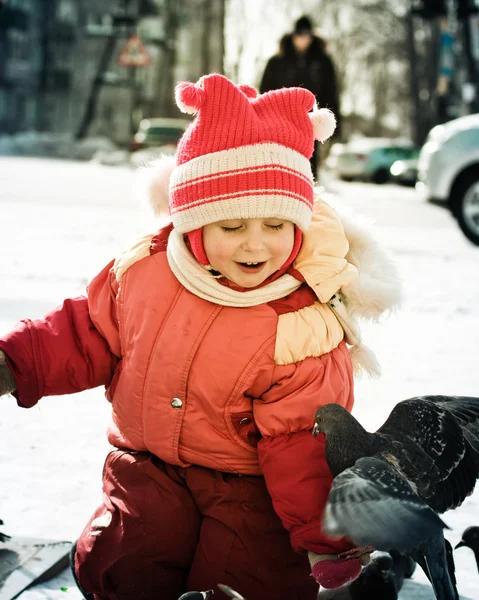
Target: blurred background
[
  {"x": 85, "y": 68},
  {"x": 94, "y": 80}
]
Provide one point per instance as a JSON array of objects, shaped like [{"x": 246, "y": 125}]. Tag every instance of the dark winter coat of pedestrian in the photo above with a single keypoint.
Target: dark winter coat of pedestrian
[
  {"x": 217, "y": 338},
  {"x": 302, "y": 61}
]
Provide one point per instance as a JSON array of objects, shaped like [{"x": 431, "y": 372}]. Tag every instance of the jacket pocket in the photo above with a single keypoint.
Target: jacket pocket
[{"x": 245, "y": 427}]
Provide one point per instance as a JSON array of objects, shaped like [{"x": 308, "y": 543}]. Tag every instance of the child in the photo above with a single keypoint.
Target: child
[{"x": 217, "y": 338}]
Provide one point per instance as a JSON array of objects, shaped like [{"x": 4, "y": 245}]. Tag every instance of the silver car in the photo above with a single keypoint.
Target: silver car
[{"x": 448, "y": 171}]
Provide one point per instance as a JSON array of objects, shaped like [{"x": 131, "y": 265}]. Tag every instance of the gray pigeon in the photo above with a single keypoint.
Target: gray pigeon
[
  {"x": 470, "y": 539},
  {"x": 403, "y": 567},
  {"x": 389, "y": 485},
  {"x": 230, "y": 592},
  {"x": 377, "y": 581}
]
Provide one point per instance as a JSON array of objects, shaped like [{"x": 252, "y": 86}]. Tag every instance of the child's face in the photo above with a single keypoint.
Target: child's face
[{"x": 230, "y": 245}]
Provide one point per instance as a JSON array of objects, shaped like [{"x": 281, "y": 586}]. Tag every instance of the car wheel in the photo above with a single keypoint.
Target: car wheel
[
  {"x": 465, "y": 206},
  {"x": 380, "y": 176}
]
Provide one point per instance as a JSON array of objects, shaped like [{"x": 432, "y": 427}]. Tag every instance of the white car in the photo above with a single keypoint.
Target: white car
[{"x": 448, "y": 171}]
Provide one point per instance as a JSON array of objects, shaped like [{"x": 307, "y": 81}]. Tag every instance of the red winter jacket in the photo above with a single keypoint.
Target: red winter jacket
[{"x": 232, "y": 389}]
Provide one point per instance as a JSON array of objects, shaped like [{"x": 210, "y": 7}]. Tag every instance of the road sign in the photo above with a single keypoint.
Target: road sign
[{"x": 134, "y": 53}]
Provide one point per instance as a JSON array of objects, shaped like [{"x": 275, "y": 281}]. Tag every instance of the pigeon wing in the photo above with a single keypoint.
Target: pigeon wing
[
  {"x": 372, "y": 503},
  {"x": 418, "y": 423},
  {"x": 466, "y": 412},
  {"x": 427, "y": 427}
]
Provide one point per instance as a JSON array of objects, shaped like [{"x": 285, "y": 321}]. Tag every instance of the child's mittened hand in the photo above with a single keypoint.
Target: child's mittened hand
[
  {"x": 331, "y": 571},
  {"x": 7, "y": 382}
]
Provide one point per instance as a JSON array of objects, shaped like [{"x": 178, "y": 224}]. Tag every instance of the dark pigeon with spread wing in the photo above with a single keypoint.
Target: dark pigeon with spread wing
[
  {"x": 389, "y": 485},
  {"x": 3, "y": 536}
]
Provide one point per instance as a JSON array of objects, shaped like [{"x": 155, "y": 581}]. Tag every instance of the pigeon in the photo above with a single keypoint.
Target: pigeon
[
  {"x": 230, "y": 592},
  {"x": 196, "y": 595},
  {"x": 382, "y": 579},
  {"x": 376, "y": 582},
  {"x": 403, "y": 567},
  {"x": 389, "y": 486},
  {"x": 470, "y": 539},
  {"x": 435, "y": 557},
  {"x": 3, "y": 536}
]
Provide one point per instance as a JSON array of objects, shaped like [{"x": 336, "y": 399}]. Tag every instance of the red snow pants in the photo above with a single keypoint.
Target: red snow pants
[{"x": 163, "y": 530}]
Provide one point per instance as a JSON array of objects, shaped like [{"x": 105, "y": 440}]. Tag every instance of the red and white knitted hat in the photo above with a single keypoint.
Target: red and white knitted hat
[{"x": 245, "y": 155}]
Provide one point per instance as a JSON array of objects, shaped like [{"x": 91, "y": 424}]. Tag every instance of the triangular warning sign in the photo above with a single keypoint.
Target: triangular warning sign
[{"x": 134, "y": 53}]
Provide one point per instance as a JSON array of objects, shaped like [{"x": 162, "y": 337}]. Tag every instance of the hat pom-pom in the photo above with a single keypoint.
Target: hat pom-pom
[
  {"x": 248, "y": 90},
  {"x": 189, "y": 97},
  {"x": 324, "y": 123}
]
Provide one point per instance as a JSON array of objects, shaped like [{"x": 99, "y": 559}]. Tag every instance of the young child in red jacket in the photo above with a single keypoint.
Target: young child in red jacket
[{"x": 217, "y": 338}]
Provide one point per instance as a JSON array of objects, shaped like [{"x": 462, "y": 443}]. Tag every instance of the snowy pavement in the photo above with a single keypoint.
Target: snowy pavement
[{"x": 62, "y": 221}]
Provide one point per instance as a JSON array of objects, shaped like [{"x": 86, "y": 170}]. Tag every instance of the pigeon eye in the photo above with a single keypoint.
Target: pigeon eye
[{"x": 319, "y": 419}]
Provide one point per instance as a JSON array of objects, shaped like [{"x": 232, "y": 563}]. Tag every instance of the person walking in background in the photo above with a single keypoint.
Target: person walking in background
[{"x": 302, "y": 61}]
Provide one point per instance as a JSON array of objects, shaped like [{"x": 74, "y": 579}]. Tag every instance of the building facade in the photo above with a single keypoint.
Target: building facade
[{"x": 59, "y": 62}]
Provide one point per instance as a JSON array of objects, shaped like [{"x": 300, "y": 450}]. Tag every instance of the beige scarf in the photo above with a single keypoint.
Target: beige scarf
[{"x": 201, "y": 282}]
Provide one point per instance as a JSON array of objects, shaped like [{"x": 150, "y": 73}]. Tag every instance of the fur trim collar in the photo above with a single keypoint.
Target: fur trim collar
[{"x": 376, "y": 292}]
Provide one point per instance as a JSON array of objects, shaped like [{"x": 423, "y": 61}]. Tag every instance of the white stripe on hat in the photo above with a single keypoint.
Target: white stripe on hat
[{"x": 244, "y": 157}]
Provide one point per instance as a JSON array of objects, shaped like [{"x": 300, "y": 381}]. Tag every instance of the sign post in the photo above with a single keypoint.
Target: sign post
[{"x": 133, "y": 54}]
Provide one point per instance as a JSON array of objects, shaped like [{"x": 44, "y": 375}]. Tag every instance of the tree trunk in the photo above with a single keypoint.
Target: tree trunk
[
  {"x": 92, "y": 101},
  {"x": 165, "y": 105},
  {"x": 472, "y": 68},
  {"x": 206, "y": 14},
  {"x": 415, "y": 110},
  {"x": 222, "y": 13},
  {"x": 47, "y": 15}
]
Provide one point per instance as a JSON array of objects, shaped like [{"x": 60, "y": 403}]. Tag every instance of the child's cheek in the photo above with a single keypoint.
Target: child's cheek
[
  {"x": 218, "y": 253},
  {"x": 222, "y": 250}
]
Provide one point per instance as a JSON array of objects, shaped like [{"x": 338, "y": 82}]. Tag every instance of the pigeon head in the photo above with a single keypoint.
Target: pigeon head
[
  {"x": 470, "y": 538},
  {"x": 382, "y": 561},
  {"x": 329, "y": 418}
]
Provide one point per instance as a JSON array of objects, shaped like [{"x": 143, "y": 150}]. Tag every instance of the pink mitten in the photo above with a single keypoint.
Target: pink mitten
[{"x": 334, "y": 570}]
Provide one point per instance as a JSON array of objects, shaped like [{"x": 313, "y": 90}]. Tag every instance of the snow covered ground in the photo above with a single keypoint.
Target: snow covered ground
[{"x": 62, "y": 221}]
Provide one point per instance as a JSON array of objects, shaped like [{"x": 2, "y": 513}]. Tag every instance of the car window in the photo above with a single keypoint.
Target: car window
[
  {"x": 167, "y": 132},
  {"x": 398, "y": 153}
]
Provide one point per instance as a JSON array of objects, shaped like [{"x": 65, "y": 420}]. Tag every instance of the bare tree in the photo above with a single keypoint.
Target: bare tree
[{"x": 171, "y": 12}]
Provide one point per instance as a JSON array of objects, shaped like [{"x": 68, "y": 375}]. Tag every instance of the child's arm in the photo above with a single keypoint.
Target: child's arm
[
  {"x": 293, "y": 462},
  {"x": 64, "y": 352}
]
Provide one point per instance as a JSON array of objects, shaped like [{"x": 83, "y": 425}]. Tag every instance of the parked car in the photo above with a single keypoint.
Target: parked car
[
  {"x": 368, "y": 159},
  {"x": 448, "y": 171},
  {"x": 404, "y": 172},
  {"x": 155, "y": 133}
]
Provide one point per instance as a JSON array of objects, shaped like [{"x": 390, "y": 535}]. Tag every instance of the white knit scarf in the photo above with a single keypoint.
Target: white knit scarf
[{"x": 201, "y": 282}]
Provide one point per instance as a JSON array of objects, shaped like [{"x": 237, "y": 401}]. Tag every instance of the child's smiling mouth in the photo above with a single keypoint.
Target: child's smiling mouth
[{"x": 251, "y": 267}]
